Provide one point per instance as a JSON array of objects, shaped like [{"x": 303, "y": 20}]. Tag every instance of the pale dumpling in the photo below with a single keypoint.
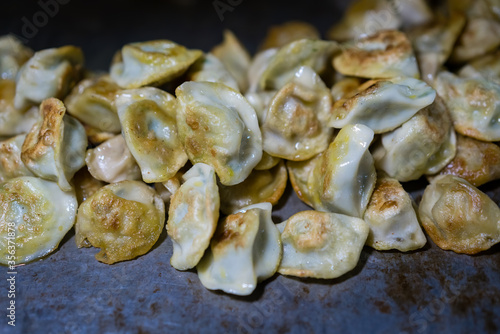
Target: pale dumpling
[
  {"x": 257, "y": 67},
  {"x": 13, "y": 54},
  {"x": 55, "y": 147},
  {"x": 210, "y": 68},
  {"x": 14, "y": 121},
  {"x": 321, "y": 244},
  {"x": 148, "y": 119},
  {"x": 193, "y": 216},
  {"x": 218, "y": 126},
  {"x": 458, "y": 216},
  {"x": 392, "y": 218},
  {"x": 123, "y": 219},
  {"x": 112, "y": 161},
  {"x": 49, "y": 73},
  {"x": 151, "y": 63},
  {"x": 35, "y": 215},
  {"x": 294, "y": 125},
  {"x": 11, "y": 165},
  {"x": 246, "y": 249}
]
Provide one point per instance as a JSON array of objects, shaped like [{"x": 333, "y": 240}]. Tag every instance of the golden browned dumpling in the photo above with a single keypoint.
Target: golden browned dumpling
[
  {"x": 321, "y": 244},
  {"x": 13, "y": 54},
  {"x": 260, "y": 186},
  {"x": 14, "y": 121},
  {"x": 267, "y": 162},
  {"x": 458, "y": 216},
  {"x": 387, "y": 54},
  {"x": 85, "y": 184},
  {"x": 345, "y": 88},
  {"x": 302, "y": 178},
  {"x": 477, "y": 162},
  {"x": 11, "y": 165},
  {"x": 280, "y": 35},
  {"x": 55, "y": 147},
  {"x": 151, "y": 63},
  {"x": 123, "y": 219}
]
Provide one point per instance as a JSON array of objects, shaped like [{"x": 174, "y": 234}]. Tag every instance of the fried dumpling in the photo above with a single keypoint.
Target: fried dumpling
[
  {"x": 92, "y": 101},
  {"x": 218, "y": 126},
  {"x": 267, "y": 162},
  {"x": 13, "y": 54},
  {"x": 85, "y": 184},
  {"x": 387, "y": 54},
  {"x": 474, "y": 105},
  {"x": 123, "y": 219},
  {"x": 55, "y": 147},
  {"x": 321, "y": 244},
  {"x": 280, "y": 35},
  {"x": 392, "y": 218},
  {"x": 488, "y": 67},
  {"x": 301, "y": 174},
  {"x": 49, "y": 73},
  {"x": 346, "y": 88},
  {"x": 148, "y": 119},
  {"x": 315, "y": 54},
  {"x": 476, "y": 161},
  {"x": 14, "y": 121},
  {"x": 235, "y": 58},
  {"x": 458, "y": 216},
  {"x": 151, "y": 63},
  {"x": 257, "y": 67},
  {"x": 260, "y": 186},
  {"x": 166, "y": 189},
  {"x": 210, "y": 68},
  {"x": 383, "y": 105},
  {"x": 245, "y": 249},
  {"x": 480, "y": 36},
  {"x": 112, "y": 161},
  {"x": 11, "y": 165},
  {"x": 294, "y": 125},
  {"x": 35, "y": 214},
  {"x": 422, "y": 145},
  {"x": 193, "y": 216}
]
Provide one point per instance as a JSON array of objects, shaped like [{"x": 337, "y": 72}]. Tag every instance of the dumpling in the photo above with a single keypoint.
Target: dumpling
[
  {"x": 123, "y": 219},
  {"x": 257, "y": 67},
  {"x": 387, "y": 54},
  {"x": 315, "y": 54},
  {"x": 458, "y": 216},
  {"x": 148, "y": 119},
  {"x": 218, "y": 126},
  {"x": 345, "y": 88},
  {"x": 235, "y": 58},
  {"x": 321, "y": 244},
  {"x": 480, "y": 36},
  {"x": 11, "y": 165},
  {"x": 267, "y": 162},
  {"x": 85, "y": 184},
  {"x": 474, "y": 104},
  {"x": 35, "y": 215},
  {"x": 280, "y": 35},
  {"x": 302, "y": 178},
  {"x": 364, "y": 18},
  {"x": 92, "y": 101},
  {"x": 49, "y": 73},
  {"x": 476, "y": 161},
  {"x": 97, "y": 137},
  {"x": 422, "y": 145},
  {"x": 210, "y": 68},
  {"x": 488, "y": 67},
  {"x": 55, "y": 147},
  {"x": 383, "y": 105},
  {"x": 392, "y": 218},
  {"x": 193, "y": 216},
  {"x": 151, "y": 63},
  {"x": 245, "y": 249},
  {"x": 14, "y": 121},
  {"x": 294, "y": 125},
  {"x": 13, "y": 54},
  {"x": 112, "y": 161},
  {"x": 260, "y": 186},
  {"x": 166, "y": 189}
]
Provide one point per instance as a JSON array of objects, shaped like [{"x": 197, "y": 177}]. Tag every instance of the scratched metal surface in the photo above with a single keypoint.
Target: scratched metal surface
[{"x": 426, "y": 291}]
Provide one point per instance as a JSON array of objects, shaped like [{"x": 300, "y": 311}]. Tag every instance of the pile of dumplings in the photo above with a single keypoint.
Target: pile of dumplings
[{"x": 203, "y": 144}]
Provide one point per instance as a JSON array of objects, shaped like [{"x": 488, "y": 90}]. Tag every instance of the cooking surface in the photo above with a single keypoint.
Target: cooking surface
[{"x": 429, "y": 290}]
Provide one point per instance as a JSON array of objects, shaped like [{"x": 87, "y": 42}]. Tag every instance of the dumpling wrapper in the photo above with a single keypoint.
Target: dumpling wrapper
[
  {"x": 193, "y": 216},
  {"x": 321, "y": 244},
  {"x": 383, "y": 105},
  {"x": 280, "y": 35},
  {"x": 55, "y": 147},
  {"x": 257, "y": 67},
  {"x": 49, "y": 73},
  {"x": 260, "y": 186},
  {"x": 151, "y": 63},
  {"x": 480, "y": 36},
  {"x": 35, "y": 214},
  {"x": 148, "y": 119},
  {"x": 458, "y": 216},
  {"x": 123, "y": 219},
  {"x": 218, "y": 126},
  {"x": 13, "y": 54},
  {"x": 11, "y": 165},
  {"x": 387, "y": 54},
  {"x": 346, "y": 88},
  {"x": 112, "y": 161},
  {"x": 392, "y": 218},
  {"x": 302, "y": 178},
  {"x": 85, "y": 184},
  {"x": 246, "y": 249},
  {"x": 14, "y": 121},
  {"x": 294, "y": 125},
  {"x": 488, "y": 67},
  {"x": 210, "y": 68}
]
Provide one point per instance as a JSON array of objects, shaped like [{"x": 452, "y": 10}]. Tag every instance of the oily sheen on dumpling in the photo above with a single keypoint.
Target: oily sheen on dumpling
[
  {"x": 218, "y": 127},
  {"x": 35, "y": 215},
  {"x": 123, "y": 219},
  {"x": 246, "y": 249},
  {"x": 193, "y": 216}
]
